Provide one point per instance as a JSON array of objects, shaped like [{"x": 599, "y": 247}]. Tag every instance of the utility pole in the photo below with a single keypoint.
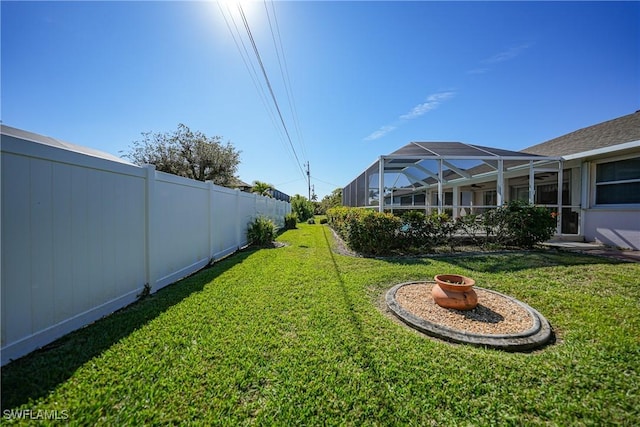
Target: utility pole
[{"x": 309, "y": 180}]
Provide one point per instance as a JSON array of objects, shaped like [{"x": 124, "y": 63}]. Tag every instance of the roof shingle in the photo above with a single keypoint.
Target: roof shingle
[{"x": 612, "y": 132}]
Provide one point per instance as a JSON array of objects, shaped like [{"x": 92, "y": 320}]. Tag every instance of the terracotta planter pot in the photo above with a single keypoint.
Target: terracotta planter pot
[{"x": 454, "y": 291}]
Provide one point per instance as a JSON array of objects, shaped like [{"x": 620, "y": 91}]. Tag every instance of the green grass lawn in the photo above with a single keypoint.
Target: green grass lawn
[{"x": 296, "y": 336}]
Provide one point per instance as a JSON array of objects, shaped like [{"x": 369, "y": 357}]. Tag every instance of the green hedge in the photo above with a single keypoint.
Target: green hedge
[
  {"x": 364, "y": 230},
  {"x": 369, "y": 232},
  {"x": 520, "y": 224}
]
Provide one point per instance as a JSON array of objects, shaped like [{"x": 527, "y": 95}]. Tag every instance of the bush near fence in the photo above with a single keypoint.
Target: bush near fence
[{"x": 516, "y": 224}]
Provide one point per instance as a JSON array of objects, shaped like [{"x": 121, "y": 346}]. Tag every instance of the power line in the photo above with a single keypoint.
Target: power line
[
  {"x": 284, "y": 72},
  {"x": 246, "y": 59},
  {"x": 253, "y": 73},
  {"x": 266, "y": 77},
  {"x": 328, "y": 183},
  {"x": 289, "y": 182}
]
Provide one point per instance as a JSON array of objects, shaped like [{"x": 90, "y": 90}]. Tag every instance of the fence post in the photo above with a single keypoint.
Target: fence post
[
  {"x": 237, "y": 217},
  {"x": 210, "y": 216},
  {"x": 255, "y": 206},
  {"x": 150, "y": 186}
]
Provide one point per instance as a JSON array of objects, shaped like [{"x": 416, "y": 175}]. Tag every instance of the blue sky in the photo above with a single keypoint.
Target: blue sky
[{"x": 353, "y": 80}]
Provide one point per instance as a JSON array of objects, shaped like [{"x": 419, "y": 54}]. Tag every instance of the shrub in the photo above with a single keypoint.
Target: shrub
[
  {"x": 520, "y": 224},
  {"x": 323, "y": 220},
  {"x": 372, "y": 233},
  {"x": 530, "y": 225},
  {"x": 444, "y": 229},
  {"x": 290, "y": 221},
  {"x": 302, "y": 207},
  {"x": 311, "y": 221},
  {"x": 421, "y": 232},
  {"x": 470, "y": 225},
  {"x": 338, "y": 217},
  {"x": 261, "y": 231},
  {"x": 415, "y": 230},
  {"x": 495, "y": 223},
  {"x": 366, "y": 231}
]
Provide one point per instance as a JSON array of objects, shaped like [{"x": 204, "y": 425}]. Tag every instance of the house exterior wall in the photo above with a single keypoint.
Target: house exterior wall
[
  {"x": 82, "y": 235},
  {"x": 614, "y": 225},
  {"x": 617, "y": 227}
]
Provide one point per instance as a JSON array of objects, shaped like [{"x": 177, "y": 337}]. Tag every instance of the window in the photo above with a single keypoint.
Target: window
[
  {"x": 448, "y": 198},
  {"x": 520, "y": 193},
  {"x": 618, "y": 182},
  {"x": 547, "y": 194},
  {"x": 490, "y": 198}
]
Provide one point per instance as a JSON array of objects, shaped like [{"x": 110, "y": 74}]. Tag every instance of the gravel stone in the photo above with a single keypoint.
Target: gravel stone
[{"x": 494, "y": 315}]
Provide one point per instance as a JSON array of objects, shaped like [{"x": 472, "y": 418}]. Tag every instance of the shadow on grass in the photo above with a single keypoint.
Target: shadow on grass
[
  {"x": 507, "y": 261},
  {"x": 355, "y": 321},
  {"x": 525, "y": 260},
  {"x": 40, "y": 372},
  {"x": 362, "y": 352}
]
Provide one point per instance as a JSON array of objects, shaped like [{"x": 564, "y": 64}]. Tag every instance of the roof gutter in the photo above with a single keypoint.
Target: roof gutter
[{"x": 603, "y": 151}]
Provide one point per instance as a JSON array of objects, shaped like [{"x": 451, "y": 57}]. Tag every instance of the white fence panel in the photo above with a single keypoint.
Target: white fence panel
[
  {"x": 72, "y": 241},
  {"x": 16, "y": 300},
  {"x": 81, "y": 235},
  {"x": 180, "y": 228},
  {"x": 225, "y": 226},
  {"x": 262, "y": 207},
  {"x": 246, "y": 214}
]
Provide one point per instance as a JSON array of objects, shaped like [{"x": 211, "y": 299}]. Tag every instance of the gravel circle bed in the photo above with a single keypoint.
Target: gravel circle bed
[{"x": 494, "y": 315}]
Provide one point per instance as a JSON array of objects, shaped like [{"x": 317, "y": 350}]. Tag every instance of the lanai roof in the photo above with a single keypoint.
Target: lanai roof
[
  {"x": 452, "y": 150},
  {"x": 420, "y": 165},
  {"x": 414, "y": 157}
]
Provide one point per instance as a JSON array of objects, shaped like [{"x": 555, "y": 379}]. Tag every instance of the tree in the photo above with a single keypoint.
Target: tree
[
  {"x": 262, "y": 188},
  {"x": 330, "y": 201},
  {"x": 187, "y": 153},
  {"x": 302, "y": 207}
]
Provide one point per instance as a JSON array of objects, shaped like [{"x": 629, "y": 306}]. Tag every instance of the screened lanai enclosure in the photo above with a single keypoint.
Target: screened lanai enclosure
[{"x": 461, "y": 179}]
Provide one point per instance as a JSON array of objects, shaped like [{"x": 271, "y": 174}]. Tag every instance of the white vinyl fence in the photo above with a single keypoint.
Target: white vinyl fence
[{"x": 82, "y": 235}]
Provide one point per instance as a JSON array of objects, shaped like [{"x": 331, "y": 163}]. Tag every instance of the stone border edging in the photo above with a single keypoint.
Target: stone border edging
[{"x": 537, "y": 336}]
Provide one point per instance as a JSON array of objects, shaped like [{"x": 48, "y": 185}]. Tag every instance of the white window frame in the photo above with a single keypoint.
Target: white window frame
[{"x": 595, "y": 184}]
